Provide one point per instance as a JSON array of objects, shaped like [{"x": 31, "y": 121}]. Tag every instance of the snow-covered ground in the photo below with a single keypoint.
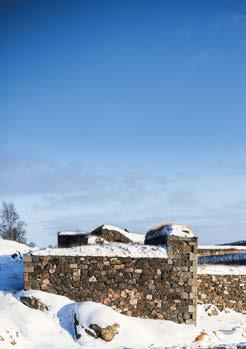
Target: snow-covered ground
[
  {"x": 24, "y": 328},
  {"x": 28, "y": 328}
]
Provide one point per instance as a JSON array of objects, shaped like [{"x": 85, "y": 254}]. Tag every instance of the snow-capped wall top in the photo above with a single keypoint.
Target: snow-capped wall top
[
  {"x": 72, "y": 233},
  {"x": 155, "y": 234},
  {"x": 110, "y": 250}
]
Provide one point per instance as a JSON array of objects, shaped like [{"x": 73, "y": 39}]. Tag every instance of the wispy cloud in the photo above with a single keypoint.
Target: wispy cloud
[{"x": 52, "y": 196}]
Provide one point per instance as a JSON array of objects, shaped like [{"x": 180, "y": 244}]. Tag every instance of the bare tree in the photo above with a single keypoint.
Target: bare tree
[{"x": 11, "y": 227}]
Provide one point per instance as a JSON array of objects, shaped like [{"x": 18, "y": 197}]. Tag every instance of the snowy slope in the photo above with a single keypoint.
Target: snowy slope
[
  {"x": 11, "y": 264},
  {"x": 8, "y": 247},
  {"x": 34, "y": 329},
  {"x": 30, "y": 329}
]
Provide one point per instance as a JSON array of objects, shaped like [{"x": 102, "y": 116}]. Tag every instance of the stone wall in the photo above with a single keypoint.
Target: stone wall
[
  {"x": 227, "y": 255},
  {"x": 225, "y": 291},
  {"x": 203, "y": 252},
  {"x": 159, "y": 288}
]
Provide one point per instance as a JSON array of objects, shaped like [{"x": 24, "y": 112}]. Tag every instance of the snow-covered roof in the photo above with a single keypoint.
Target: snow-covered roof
[
  {"x": 110, "y": 250},
  {"x": 72, "y": 233},
  {"x": 136, "y": 238}
]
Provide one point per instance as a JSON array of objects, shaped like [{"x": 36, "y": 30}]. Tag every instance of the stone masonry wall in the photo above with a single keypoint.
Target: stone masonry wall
[
  {"x": 160, "y": 288},
  {"x": 225, "y": 291},
  {"x": 203, "y": 252}
]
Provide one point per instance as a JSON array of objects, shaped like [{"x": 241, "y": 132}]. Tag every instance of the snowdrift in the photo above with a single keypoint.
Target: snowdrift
[
  {"x": 11, "y": 264},
  {"x": 56, "y": 328}
]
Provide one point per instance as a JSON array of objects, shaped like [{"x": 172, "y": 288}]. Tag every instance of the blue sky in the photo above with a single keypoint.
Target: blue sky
[{"x": 124, "y": 112}]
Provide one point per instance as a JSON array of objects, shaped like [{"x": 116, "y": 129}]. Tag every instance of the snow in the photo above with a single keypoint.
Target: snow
[
  {"x": 133, "y": 332},
  {"x": 224, "y": 259},
  {"x": 178, "y": 230},
  {"x": 72, "y": 233},
  {"x": 220, "y": 247},
  {"x": 169, "y": 229},
  {"x": 29, "y": 328},
  {"x": 221, "y": 269},
  {"x": 136, "y": 238},
  {"x": 227, "y": 327},
  {"x": 92, "y": 240},
  {"x": 34, "y": 329},
  {"x": 11, "y": 264},
  {"x": 8, "y": 247},
  {"x": 108, "y": 250}
]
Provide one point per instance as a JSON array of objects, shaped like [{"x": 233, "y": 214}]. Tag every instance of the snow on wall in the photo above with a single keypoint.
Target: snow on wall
[
  {"x": 61, "y": 233},
  {"x": 108, "y": 250}
]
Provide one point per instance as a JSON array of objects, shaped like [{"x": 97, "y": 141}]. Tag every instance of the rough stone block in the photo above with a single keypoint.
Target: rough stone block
[
  {"x": 29, "y": 269},
  {"x": 27, "y": 258}
]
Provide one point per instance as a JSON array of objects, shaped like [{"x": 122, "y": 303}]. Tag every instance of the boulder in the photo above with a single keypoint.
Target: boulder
[
  {"x": 105, "y": 333},
  {"x": 95, "y": 320},
  {"x": 201, "y": 336},
  {"x": 212, "y": 310},
  {"x": 33, "y": 302}
]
